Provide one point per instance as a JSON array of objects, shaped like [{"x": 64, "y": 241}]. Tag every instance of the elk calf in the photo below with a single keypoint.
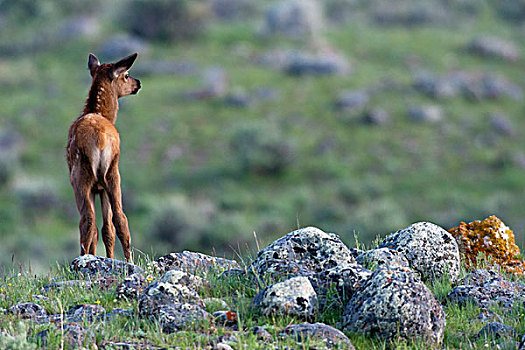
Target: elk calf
[{"x": 93, "y": 148}]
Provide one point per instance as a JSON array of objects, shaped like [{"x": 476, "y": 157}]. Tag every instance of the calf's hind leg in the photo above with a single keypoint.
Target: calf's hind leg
[
  {"x": 119, "y": 218},
  {"x": 108, "y": 230}
]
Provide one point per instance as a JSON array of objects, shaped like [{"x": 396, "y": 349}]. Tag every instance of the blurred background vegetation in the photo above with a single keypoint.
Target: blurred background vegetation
[{"x": 355, "y": 116}]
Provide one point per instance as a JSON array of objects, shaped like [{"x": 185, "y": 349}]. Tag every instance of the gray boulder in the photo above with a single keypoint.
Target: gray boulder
[
  {"x": 491, "y": 46},
  {"x": 131, "y": 287},
  {"x": 85, "y": 312},
  {"x": 193, "y": 262},
  {"x": 28, "y": 310},
  {"x": 373, "y": 258},
  {"x": 91, "y": 265},
  {"x": 395, "y": 303},
  {"x": 331, "y": 336},
  {"x": 485, "y": 288},
  {"x": 176, "y": 316},
  {"x": 497, "y": 330},
  {"x": 310, "y": 248},
  {"x": 160, "y": 294},
  {"x": 335, "y": 286},
  {"x": 293, "y": 297},
  {"x": 431, "y": 251}
]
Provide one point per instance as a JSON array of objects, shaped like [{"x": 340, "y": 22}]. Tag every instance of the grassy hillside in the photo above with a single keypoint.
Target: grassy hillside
[{"x": 195, "y": 171}]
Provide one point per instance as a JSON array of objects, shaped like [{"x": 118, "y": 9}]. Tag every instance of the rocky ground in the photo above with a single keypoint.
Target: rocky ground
[{"x": 304, "y": 290}]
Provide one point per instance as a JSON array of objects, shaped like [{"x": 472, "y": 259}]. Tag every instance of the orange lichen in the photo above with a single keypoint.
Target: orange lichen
[{"x": 490, "y": 237}]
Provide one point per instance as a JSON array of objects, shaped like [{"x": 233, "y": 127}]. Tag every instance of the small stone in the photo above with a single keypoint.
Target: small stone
[
  {"x": 490, "y": 46},
  {"x": 351, "y": 100},
  {"x": 85, "y": 312},
  {"x": 302, "y": 64},
  {"x": 176, "y": 316},
  {"x": 293, "y": 297},
  {"x": 497, "y": 330},
  {"x": 376, "y": 116},
  {"x": 319, "y": 331},
  {"x": 131, "y": 287},
  {"x": 28, "y": 310},
  {"x": 502, "y": 124},
  {"x": 432, "y": 114},
  {"x": 487, "y": 316}
]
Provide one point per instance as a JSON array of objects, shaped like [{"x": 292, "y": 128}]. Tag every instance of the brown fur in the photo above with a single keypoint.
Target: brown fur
[{"x": 93, "y": 149}]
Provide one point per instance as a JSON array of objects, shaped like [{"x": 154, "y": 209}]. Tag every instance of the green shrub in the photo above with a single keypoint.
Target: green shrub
[
  {"x": 262, "y": 148},
  {"x": 166, "y": 20}
]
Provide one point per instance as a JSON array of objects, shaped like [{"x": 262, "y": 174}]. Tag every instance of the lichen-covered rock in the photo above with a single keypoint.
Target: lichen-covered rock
[
  {"x": 164, "y": 293},
  {"x": 310, "y": 248},
  {"x": 485, "y": 288},
  {"x": 193, "y": 262},
  {"x": 177, "y": 316},
  {"x": 490, "y": 46},
  {"x": 293, "y": 297},
  {"x": 490, "y": 237},
  {"x": 28, "y": 310},
  {"x": 465, "y": 294},
  {"x": 371, "y": 259},
  {"x": 431, "y": 251},
  {"x": 131, "y": 287},
  {"x": 497, "y": 330},
  {"x": 76, "y": 336},
  {"x": 336, "y": 285},
  {"x": 85, "y": 312},
  {"x": 276, "y": 270},
  {"x": 185, "y": 279},
  {"x": 395, "y": 303},
  {"x": 318, "y": 331},
  {"x": 92, "y": 265}
]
